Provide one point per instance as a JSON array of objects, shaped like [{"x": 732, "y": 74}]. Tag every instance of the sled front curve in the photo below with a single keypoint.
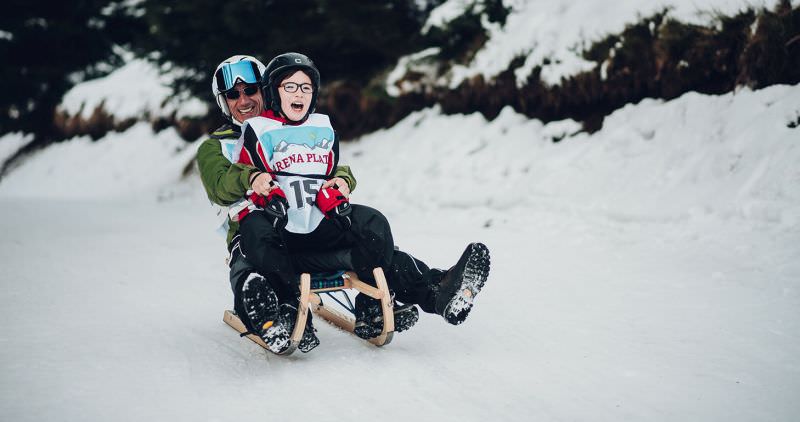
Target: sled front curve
[
  {"x": 310, "y": 300},
  {"x": 230, "y": 318}
]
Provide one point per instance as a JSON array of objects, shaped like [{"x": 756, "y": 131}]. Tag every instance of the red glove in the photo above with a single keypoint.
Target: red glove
[
  {"x": 262, "y": 201},
  {"x": 273, "y": 205},
  {"x": 257, "y": 200},
  {"x": 328, "y": 199},
  {"x": 334, "y": 205}
]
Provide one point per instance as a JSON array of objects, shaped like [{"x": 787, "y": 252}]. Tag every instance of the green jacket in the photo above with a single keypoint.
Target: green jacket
[{"x": 226, "y": 182}]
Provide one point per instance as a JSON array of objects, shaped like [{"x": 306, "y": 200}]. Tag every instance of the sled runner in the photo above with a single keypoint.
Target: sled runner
[{"x": 311, "y": 291}]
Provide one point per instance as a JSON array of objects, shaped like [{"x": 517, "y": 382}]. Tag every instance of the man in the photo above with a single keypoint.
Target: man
[
  {"x": 236, "y": 85},
  {"x": 228, "y": 174}
]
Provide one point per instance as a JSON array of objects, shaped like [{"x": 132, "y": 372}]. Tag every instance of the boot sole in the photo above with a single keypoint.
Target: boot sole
[
  {"x": 309, "y": 340},
  {"x": 308, "y": 343},
  {"x": 476, "y": 271},
  {"x": 405, "y": 319},
  {"x": 261, "y": 306},
  {"x": 366, "y": 331}
]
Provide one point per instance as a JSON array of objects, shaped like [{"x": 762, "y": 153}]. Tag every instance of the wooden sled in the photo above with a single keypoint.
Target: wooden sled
[{"x": 310, "y": 299}]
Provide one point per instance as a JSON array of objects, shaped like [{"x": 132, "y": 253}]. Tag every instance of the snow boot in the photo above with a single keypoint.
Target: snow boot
[
  {"x": 368, "y": 314},
  {"x": 405, "y": 316},
  {"x": 369, "y": 317},
  {"x": 309, "y": 340},
  {"x": 457, "y": 290},
  {"x": 261, "y": 305}
]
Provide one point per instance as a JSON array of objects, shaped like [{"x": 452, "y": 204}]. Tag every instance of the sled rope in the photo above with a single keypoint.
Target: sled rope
[{"x": 349, "y": 306}]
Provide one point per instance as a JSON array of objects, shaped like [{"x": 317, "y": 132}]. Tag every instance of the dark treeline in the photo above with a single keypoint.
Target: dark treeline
[{"x": 49, "y": 46}]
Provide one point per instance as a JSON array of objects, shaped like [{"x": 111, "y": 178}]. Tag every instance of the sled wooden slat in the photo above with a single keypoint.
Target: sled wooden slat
[
  {"x": 302, "y": 309},
  {"x": 231, "y": 319},
  {"x": 365, "y": 288},
  {"x": 351, "y": 281},
  {"x": 310, "y": 300},
  {"x": 386, "y": 304},
  {"x": 346, "y": 279}
]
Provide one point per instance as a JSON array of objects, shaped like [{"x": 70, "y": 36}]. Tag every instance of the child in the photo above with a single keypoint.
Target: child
[{"x": 306, "y": 220}]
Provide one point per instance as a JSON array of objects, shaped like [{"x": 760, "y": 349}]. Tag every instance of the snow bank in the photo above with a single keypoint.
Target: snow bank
[
  {"x": 10, "y": 143},
  {"x": 556, "y": 31},
  {"x": 731, "y": 156},
  {"x": 135, "y": 90},
  {"x": 126, "y": 163}
]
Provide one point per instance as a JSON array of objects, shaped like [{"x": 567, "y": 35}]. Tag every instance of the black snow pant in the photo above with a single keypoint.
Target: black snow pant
[
  {"x": 412, "y": 281},
  {"x": 281, "y": 256}
]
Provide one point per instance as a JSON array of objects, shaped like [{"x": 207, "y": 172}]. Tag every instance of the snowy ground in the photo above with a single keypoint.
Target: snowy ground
[{"x": 647, "y": 272}]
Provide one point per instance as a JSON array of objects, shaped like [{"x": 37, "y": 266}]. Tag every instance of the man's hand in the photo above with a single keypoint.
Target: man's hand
[
  {"x": 338, "y": 183},
  {"x": 263, "y": 184}
]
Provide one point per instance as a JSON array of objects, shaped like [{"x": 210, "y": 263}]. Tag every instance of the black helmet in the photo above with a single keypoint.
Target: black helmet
[{"x": 279, "y": 68}]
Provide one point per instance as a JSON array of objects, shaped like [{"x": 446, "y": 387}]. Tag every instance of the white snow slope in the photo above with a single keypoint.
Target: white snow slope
[{"x": 648, "y": 272}]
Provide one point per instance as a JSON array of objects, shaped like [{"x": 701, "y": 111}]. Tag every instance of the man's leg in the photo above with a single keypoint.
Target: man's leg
[
  {"x": 264, "y": 247},
  {"x": 240, "y": 269},
  {"x": 256, "y": 303}
]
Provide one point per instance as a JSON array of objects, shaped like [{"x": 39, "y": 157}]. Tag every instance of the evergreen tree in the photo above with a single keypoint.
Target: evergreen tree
[
  {"x": 46, "y": 47},
  {"x": 347, "y": 39}
]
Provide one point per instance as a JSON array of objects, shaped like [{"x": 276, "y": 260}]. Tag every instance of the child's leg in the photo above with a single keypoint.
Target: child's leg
[
  {"x": 413, "y": 281},
  {"x": 373, "y": 242},
  {"x": 368, "y": 240}
]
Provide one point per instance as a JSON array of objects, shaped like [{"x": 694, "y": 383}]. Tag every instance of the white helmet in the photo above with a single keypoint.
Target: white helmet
[{"x": 235, "y": 69}]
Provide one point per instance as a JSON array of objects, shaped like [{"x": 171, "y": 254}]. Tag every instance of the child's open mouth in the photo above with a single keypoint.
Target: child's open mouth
[{"x": 297, "y": 106}]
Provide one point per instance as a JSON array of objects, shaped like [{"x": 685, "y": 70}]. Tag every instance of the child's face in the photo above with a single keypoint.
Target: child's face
[{"x": 294, "y": 105}]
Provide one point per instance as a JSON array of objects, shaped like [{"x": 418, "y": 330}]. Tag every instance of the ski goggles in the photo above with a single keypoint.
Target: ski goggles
[
  {"x": 234, "y": 94},
  {"x": 232, "y": 73}
]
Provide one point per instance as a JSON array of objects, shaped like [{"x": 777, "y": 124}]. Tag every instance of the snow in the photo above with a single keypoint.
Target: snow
[
  {"x": 120, "y": 164},
  {"x": 646, "y": 272},
  {"x": 557, "y": 31},
  {"x": 12, "y": 142},
  {"x": 654, "y": 160},
  {"x": 136, "y": 89},
  {"x": 416, "y": 60}
]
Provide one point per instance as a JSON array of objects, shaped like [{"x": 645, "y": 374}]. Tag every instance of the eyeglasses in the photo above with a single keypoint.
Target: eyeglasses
[
  {"x": 233, "y": 94},
  {"x": 291, "y": 87}
]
